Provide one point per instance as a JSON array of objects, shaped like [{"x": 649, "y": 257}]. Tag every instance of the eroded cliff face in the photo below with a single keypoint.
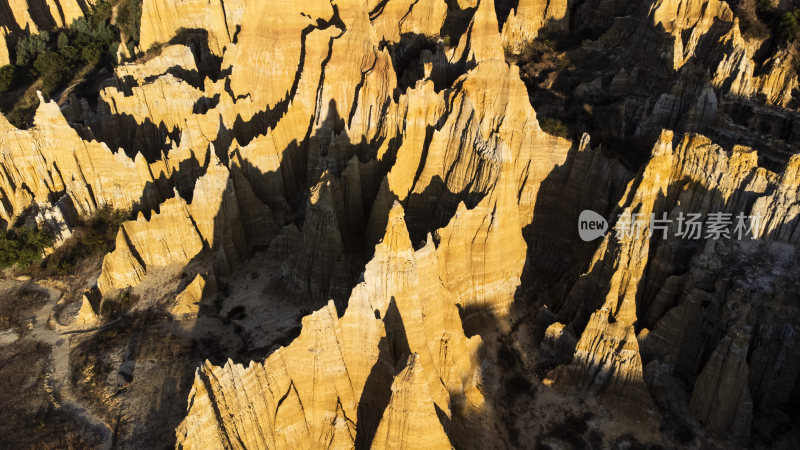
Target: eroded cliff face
[
  {"x": 218, "y": 20},
  {"x": 704, "y": 74},
  {"x": 351, "y": 232},
  {"x": 34, "y": 16},
  {"x": 529, "y": 17},
  {"x": 51, "y": 160}
]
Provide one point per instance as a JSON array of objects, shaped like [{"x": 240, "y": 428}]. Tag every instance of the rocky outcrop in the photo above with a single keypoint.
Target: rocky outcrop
[
  {"x": 416, "y": 316},
  {"x": 410, "y": 420},
  {"x": 51, "y": 160},
  {"x": 721, "y": 398},
  {"x": 219, "y": 21},
  {"x": 532, "y": 16},
  {"x": 319, "y": 260},
  {"x": 86, "y": 314},
  {"x": 176, "y": 57},
  {"x": 214, "y": 220},
  {"x": 607, "y": 355},
  {"x": 270, "y": 47},
  {"x": 392, "y": 19},
  {"x": 287, "y": 407},
  {"x": 650, "y": 288},
  {"x": 716, "y": 312},
  {"x": 678, "y": 16},
  {"x": 187, "y": 303},
  {"x": 169, "y": 237},
  {"x": 35, "y": 16},
  {"x": 481, "y": 41}
]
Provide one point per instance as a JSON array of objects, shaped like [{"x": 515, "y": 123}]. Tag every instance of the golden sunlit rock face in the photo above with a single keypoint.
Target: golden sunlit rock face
[{"x": 344, "y": 224}]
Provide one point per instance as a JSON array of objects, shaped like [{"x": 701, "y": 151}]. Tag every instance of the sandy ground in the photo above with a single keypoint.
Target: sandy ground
[
  {"x": 8, "y": 337},
  {"x": 46, "y": 329}
]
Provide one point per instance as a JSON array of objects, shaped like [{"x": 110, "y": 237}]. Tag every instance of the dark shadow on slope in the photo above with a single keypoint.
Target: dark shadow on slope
[
  {"x": 377, "y": 392},
  {"x": 125, "y": 132},
  {"x": 191, "y": 77},
  {"x": 351, "y": 174},
  {"x": 40, "y": 13},
  {"x": 407, "y": 59},
  {"x": 208, "y": 65},
  {"x": 456, "y": 22},
  {"x": 431, "y": 209},
  {"x": 503, "y": 8},
  {"x": 585, "y": 294},
  {"x": 204, "y": 104},
  {"x": 623, "y": 95},
  {"x": 588, "y": 180}
]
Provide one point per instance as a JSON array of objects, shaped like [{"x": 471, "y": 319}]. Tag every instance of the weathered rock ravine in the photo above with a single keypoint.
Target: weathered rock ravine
[{"x": 353, "y": 228}]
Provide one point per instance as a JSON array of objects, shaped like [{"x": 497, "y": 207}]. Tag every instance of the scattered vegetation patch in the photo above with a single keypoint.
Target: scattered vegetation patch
[
  {"x": 95, "y": 359},
  {"x": 554, "y": 127},
  {"x": 114, "y": 307},
  {"x": 573, "y": 431},
  {"x": 789, "y": 25},
  {"x": 22, "y": 246},
  {"x": 56, "y": 58},
  {"x": 763, "y": 19},
  {"x": 540, "y": 61},
  {"x": 515, "y": 382},
  {"x": 154, "y": 50},
  {"x": 92, "y": 237},
  {"x": 129, "y": 18},
  {"x": 32, "y": 420},
  {"x": 8, "y": 74}
]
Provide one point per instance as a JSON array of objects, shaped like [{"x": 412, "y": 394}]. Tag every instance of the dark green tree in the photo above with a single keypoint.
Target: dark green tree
[{"x": 7, "y": 77}]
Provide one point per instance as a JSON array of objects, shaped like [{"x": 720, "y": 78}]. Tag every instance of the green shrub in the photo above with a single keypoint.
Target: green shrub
[
  {"x": 92, "y": 53},
  {"x": 789, "y": 25},
  {"x": 63, "y": 40},
  {"x": 92, "y": 28},
  {"x": 113, "y": 308},
  {"x": 70, "y": 54},
  {"x": 48, "y": 62},
  {"x": 22, "y": 246},
  {"x": 30, "y": 47},
  {"x": 18, "y": 118},
  {"x": 554, "y": 127},
  {"x": 53, "y": 68},
  {"x": 92, "y": 237},
  {"x": 21, "y": 115},
  {"x": 129, "y": 17},
  {"x": 88, "y": 42},
  {"x": 537, "y": 48},
  {"x": 8, "y": 75},
  {"x": 154, "y": 50}
]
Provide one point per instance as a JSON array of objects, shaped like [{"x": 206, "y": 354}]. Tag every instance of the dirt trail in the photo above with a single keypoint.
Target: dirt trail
[{"x": 58, "y": 378}]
